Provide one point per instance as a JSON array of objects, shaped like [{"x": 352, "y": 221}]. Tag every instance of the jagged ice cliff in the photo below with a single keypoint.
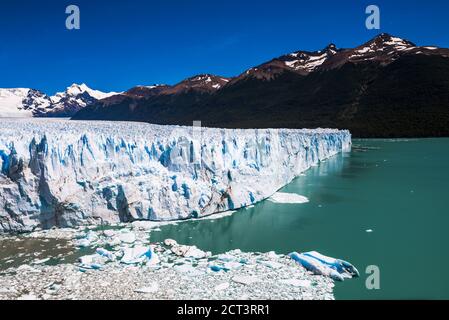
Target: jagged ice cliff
[{"x": 68, "y": 173}]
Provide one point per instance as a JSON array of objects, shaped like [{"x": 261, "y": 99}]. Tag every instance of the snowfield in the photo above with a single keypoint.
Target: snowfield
[
  {"x": 70, "y": 173},
  {"x": 11, "y": 103}
]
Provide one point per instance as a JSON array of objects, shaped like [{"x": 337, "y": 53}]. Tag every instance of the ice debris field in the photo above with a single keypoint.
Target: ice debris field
[
  {"x": 121, "y": 262},
  {"x": 69, "y": 173}
]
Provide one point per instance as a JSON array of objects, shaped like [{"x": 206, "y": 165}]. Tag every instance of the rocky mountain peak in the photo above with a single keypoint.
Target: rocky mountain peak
[{"x": 201, "y": 83}]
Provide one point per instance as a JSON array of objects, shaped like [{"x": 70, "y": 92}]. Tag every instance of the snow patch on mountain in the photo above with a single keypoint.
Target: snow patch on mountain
[
  {"x": 68, "y": 173},
  {"x": 383, "y": 47},
  {"x": 308, "y": 61},
  {"x": 398, "y": 43}
]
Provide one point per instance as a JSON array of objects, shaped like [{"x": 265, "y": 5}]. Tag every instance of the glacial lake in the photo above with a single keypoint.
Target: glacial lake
[{"x": 383, "y": 204}]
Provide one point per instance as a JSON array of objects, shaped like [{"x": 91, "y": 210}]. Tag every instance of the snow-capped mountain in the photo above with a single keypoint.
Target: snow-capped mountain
[
  {"x": 146, "y": 91},
  {"x": 200, "y": 83},
  {"x": 24, "y": 102},
  {"x": 196, "y": 85},
  {"x": 73, "y": 99},
  {"x": 301, "y": 62},
  {"x": 308, "y": 61},
  {"x": 203, "y": 83},
  {"x": 384, "y": 49},
  {"x": 75, "y": 90}
]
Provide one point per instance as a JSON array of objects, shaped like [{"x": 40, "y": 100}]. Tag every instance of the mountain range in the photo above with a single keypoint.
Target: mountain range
[
  {"x": 23, "y": 102},
  {"x": 386, "y": 87}
]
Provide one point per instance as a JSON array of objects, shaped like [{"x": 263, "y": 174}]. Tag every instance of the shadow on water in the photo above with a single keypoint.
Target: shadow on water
[{"x": 397, "y": 189}]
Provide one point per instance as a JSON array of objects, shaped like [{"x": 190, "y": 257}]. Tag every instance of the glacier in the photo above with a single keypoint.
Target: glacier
[{"x": 67, "y": 173}]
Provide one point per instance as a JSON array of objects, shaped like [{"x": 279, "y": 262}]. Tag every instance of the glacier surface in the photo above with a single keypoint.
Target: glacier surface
[{"x": 70, "y": 173}]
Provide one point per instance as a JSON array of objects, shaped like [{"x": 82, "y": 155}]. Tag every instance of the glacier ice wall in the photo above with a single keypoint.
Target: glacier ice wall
[{"x": 68, "y": 173}]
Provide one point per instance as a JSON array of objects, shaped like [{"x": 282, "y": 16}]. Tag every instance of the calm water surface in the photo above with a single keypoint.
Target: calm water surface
[{"x": 397, "y": 188}]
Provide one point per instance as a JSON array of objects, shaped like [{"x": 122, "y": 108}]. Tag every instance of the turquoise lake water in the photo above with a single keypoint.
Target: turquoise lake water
[{"x": 397, "y": 188}]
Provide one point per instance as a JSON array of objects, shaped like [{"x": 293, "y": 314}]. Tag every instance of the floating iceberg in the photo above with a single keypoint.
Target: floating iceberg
[
  {"x": 70, "y": 173},
  {"x": 280, "y": 197},
  {"x": 319, "y": 264}
]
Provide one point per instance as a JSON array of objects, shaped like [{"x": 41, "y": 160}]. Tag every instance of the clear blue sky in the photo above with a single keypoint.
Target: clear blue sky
[{"x": 126, "y": 43}]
